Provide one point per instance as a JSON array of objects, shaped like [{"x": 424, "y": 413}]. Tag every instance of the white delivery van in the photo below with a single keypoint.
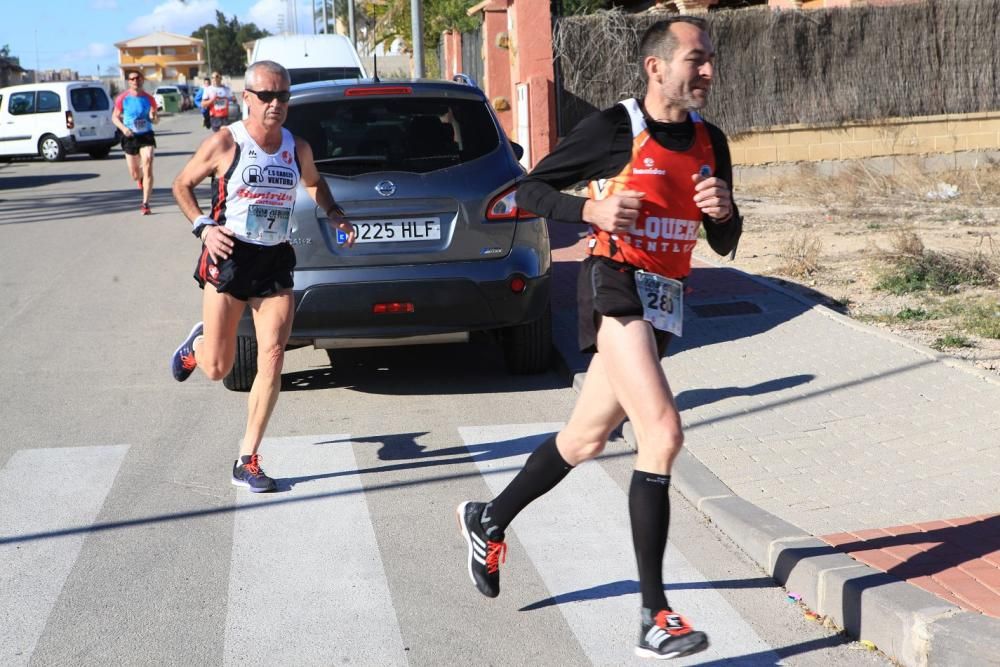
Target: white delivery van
[
  {"x": 55, "y": 118},
  {"x": 311, "y": 57}
]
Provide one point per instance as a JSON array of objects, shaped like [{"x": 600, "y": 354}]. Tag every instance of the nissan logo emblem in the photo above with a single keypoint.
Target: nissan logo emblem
[{"x": 386, "y": 188}]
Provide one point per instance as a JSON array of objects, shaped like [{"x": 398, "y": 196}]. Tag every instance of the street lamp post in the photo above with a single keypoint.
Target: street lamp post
[{"x": 416, "y": 20}]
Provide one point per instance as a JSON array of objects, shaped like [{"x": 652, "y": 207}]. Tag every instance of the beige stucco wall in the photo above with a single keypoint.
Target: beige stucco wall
[{"x": 903, "y": 136}]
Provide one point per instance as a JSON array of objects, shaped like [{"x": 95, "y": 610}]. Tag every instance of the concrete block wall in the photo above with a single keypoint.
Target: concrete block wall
[{"x": 893, "y": 137}]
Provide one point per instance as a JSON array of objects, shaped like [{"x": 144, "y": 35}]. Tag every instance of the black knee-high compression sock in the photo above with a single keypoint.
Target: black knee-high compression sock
[
  {"x": 541, "y": 472},
  {"x": 649, "y": 512}
]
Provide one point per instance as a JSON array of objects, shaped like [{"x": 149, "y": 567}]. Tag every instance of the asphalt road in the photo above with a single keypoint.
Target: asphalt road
[{"x": 123, "y": 542}]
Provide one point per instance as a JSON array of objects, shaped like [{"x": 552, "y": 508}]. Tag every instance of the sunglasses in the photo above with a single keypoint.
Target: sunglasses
[
  {"x": 135, "y": 78},
  {"x": 268, "y": 96}
]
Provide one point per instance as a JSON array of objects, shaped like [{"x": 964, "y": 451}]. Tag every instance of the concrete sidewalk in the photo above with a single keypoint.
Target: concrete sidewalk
[{"x": 860, "y": 470}]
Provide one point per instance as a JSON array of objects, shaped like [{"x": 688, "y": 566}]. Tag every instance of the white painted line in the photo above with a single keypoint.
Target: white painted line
[
  {"x": 45, "y": 491},
  {"x": 579, "y": 540},
  {"x": 307, "y": 585}
]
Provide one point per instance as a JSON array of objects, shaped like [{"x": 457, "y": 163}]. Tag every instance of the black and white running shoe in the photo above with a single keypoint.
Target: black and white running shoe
[
  {"x": 668, "y": 635},
  {"x": 485, "y": 554}
]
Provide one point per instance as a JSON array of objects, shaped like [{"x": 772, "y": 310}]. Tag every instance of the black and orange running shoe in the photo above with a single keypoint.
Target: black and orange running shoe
[
  {"x": 247, "y": 472},
  {"x": 666, "y": 635},
  {"x": 183, "y": 362},
  {"x": 485, "y": 554}
]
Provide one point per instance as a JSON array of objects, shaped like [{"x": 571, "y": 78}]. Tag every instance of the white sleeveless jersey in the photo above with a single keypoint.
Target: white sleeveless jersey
[{"x": 256, "y": 195}]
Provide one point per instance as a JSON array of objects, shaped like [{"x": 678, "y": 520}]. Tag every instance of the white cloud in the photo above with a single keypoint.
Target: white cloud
[
  {"x": 175, "y": 16},
  {"x": 103, "y": 4},
  {"x": 93, "y": 51},
  {"x": 272, "y": 15}
]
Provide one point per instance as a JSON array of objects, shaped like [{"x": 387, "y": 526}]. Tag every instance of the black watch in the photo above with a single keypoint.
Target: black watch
[{"x": 199, "y": 229}]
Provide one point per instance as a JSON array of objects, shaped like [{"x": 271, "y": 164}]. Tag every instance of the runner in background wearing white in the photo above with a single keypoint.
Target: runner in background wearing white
[{"x": 217, "y": 99}]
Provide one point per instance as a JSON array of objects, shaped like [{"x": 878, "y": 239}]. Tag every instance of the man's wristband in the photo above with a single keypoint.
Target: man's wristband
[{"x": 200, "y": 223}]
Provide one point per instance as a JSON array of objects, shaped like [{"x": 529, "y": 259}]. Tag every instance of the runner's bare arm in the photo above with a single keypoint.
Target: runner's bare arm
[
  {"x": 116, "y": 118},
  {"x": 212, "y": 157},
  {"x": 154, "y": 112},
  {"x": 318, "y": 189}
]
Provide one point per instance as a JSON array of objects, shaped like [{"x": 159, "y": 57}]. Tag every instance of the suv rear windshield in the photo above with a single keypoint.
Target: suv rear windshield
[
  {"x": 359, "y": 136},
  {"x": 89, "y": 99},
  {"x": 310, "y": 74}
]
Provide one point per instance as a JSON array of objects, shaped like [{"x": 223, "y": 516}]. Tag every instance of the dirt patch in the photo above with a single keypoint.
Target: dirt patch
[{"x": 859, "y": 241}]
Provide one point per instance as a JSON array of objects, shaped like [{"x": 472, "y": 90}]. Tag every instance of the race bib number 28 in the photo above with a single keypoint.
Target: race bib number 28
[{"x": 662, "y": 301}]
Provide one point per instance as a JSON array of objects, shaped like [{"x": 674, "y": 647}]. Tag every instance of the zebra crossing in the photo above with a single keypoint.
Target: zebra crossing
[{"x": 320, "y": 594}]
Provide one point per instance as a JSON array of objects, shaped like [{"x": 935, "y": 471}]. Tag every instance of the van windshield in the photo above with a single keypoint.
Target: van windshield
[
  {"x": 351, "y": 137},
  {"x": 89, "y": 99},
  {"x": 310, "y": 74}
]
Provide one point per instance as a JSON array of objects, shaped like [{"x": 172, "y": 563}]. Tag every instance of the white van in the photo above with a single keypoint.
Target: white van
[
  {"x": 55, "y": 118},
  {"x": 311, "y": 57}
]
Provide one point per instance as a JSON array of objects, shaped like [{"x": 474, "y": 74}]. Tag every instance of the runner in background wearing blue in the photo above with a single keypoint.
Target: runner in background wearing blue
[{"x": 135, "y": 114}]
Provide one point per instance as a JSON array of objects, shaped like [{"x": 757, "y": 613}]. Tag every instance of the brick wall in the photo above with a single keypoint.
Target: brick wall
[{"x": 904, "y": 136}]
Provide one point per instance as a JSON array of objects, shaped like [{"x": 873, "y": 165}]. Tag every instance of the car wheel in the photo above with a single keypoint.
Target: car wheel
[
  {"x": 100, "y": 153},
  {"x": 50, "y": 149},
  {"x": 244, "y": 370},
  {"x": 527, "y": 348}
]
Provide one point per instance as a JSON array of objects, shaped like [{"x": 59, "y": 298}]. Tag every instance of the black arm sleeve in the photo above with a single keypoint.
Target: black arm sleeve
[
  {"x": 722, "y": 237},
  {"x": 598, "y": 147}
]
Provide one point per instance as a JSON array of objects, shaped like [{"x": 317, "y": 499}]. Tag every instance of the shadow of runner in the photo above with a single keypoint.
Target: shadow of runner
[{"x": 631, "y": 587}]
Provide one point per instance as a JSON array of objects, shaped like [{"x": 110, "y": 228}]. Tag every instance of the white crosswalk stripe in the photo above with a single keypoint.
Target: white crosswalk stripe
[
  {"x": 307, "y": 582},
  {"x": 578, "y": 538},
  {"x": 44, "y": 492}
]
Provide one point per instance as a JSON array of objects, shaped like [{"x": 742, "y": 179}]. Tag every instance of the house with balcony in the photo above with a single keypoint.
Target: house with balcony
[{"x": 163, "y": 57}]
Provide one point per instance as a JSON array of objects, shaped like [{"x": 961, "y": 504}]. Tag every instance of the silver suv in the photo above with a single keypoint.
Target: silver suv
[{"x": 426, "y": 173}]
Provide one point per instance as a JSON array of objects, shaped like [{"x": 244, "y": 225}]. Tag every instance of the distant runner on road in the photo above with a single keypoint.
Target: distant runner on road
[
  {"x": 246, "y": 258},
  {"x": 658, "y": 172},
  {"x": 135, "y": 114},
  {"x": 217, "y": 98}
]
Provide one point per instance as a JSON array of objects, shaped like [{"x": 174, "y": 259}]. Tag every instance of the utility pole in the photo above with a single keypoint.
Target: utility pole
[
  {"x": 416, "y": 22},
  {"x": 208, "y": 52},
  {"x": 350, "y": 22},
  {"x": 326, "y": 25}
]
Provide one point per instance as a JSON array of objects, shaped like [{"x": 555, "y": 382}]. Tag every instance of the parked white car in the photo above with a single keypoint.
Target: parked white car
[{"x": 56, "y": 118}]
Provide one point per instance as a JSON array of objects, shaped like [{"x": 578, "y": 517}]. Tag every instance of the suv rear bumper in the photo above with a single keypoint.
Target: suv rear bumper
[{"x": 440, "y": 306}]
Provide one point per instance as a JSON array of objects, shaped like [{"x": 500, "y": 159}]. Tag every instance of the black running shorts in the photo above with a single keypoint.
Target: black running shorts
[
  {"x": 131, "y": 145},
  {"x": 607, "y": 288},
  {"x": 250, "y": 271}
]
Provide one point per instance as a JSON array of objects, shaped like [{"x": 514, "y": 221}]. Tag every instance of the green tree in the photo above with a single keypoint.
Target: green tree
[
  {"x": 224, "y": 43},
  {"x": 572, "y": 7},
  {"x": 5, "y": 51},
  {"x": 393, "y": 20}
]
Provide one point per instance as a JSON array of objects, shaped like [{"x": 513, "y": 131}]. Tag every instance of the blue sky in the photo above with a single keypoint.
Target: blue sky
[{"x": 81, "y": 34}]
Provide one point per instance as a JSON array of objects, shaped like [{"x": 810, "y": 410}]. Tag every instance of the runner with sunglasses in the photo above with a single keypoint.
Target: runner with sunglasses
[
  {"x": 246, "y": 258},
  {"x": 658, "y": 173},
  {"x": 134, "y": 115},
  {"x": 217, "y": 99}
]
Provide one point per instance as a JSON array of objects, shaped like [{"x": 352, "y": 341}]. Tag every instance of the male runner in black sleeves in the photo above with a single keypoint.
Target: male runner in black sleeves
[{"x": 657, "y": 172}]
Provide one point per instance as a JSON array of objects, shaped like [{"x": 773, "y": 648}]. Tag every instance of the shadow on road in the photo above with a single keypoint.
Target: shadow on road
[
  {"x": 465, "y": 368},
  {"x": 23, "y": 182},
  {"x": 91, "y": 205}
]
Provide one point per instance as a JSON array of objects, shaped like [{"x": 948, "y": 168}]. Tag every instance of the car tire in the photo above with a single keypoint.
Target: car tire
[
  {"x": 50, "y": 149},
  {"x": 527, "y": 348},
  {"x": 100, "y": 153},
  {"x": 244, "y": 370}
]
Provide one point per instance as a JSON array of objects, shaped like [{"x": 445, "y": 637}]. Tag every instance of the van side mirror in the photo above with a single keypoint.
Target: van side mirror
[{"x": 518, "y": 149}]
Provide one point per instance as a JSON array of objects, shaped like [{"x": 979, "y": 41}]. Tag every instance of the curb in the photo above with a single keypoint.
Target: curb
[{"x": 908, "y": 624}]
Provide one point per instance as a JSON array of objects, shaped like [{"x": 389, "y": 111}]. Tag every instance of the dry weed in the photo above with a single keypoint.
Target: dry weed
[{"x": 801, "y": 254}]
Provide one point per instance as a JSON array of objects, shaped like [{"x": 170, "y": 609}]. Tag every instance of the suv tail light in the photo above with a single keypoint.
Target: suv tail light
[
  {"x": 503, "y": 208},
  {"x": 69, "y": 120},
  {"x": 381, "y": 90}
]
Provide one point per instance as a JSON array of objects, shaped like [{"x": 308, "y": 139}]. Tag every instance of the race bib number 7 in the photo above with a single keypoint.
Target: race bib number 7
[
  {"x": 662, "y": 301},
  {"x": 267, "y": 223}
]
